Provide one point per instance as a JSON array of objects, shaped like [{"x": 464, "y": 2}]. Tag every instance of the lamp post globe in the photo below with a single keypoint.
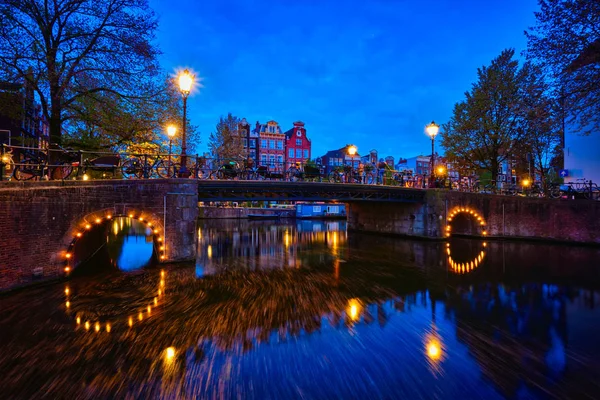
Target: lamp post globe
[
  {"x": 432, "y": 130},
  {"x": 186, "y": 80}
]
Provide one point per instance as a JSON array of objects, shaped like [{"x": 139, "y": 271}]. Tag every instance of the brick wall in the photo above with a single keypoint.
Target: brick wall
[
  {"x": 39, "y": 220},
  {"x": 576, "y": 221}
]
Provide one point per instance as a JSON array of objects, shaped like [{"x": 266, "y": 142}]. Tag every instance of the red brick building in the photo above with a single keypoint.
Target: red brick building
[{"x": 297, "y": 145}]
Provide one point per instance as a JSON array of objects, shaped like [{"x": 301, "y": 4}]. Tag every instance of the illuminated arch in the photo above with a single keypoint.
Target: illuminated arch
[
  {"x": 466, "y": 267},
  {"x": 91, "y": 321},
  {"x": 97, "y": 218},
  {"x": 469, "y": 212}
]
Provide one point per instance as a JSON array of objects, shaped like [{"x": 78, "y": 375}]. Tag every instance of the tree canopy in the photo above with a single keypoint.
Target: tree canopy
[
  {"x": 565, "y": 42},
  {"x": 226, "y": 142},
  {"x": 485, "y": 127},
  {"x": 79, "y": 54}
]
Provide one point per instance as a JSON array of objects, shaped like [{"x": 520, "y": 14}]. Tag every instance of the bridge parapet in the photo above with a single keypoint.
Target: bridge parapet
[
  {"x": 483, "y": 215},
  {"x": 40, "y": 220}
]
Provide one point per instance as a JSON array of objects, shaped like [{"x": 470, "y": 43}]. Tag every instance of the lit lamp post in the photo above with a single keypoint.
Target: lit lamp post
[
  {"x": 352, "y": 152},
  {"x": 171, "y": 130},
  {"x": 186, "y": 81},
  {"x": 432, "y": 130}
]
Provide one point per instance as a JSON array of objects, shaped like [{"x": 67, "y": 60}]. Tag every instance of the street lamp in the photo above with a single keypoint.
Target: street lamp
[
  {"x": 186, "y": 80},
  {"x": 171, "y": 130},
  {"x": 351, "y": 152},
  {"x": 432, "y": 130}
]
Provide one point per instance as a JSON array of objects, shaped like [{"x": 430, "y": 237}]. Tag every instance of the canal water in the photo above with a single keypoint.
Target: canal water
[{"x": 306, "y": 310}]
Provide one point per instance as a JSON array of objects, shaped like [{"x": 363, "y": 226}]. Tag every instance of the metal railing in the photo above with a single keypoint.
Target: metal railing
[{"x": 57, "y": 163}]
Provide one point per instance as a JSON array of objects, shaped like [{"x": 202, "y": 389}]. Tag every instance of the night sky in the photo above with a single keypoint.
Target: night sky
[{"x": 372, "y": 73}]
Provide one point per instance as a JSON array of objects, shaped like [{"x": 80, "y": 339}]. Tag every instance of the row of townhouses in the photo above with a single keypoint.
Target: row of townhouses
[{"x": 269, "y": 145}]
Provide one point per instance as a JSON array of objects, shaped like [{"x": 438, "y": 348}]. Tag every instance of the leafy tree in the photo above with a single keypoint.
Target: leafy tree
[
  {"x": 226, "y": 142},
  {"x": 541, "y": 121},
  {"x": 76, "y": 50},
  {"x": 108, "y": 122},
  {"x": 566, "y": 43},
  {"x": 485, "y": 128}
]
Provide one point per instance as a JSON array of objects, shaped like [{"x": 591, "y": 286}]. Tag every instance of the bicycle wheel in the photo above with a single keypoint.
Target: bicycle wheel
[
  {"x": 61, "y": 172},
  {"x": 162, "y": 170},
  {"x": 554, "y": 192},
  {"x": 27, "y": 171},
  {"x": 131, "y": 169}
]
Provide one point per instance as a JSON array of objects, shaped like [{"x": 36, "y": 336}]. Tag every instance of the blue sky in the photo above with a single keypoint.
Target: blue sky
[{"x": 372, "y": 73}]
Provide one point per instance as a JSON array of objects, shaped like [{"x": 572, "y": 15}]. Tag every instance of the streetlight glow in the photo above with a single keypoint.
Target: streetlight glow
[
  {"x": 432, "y": 129},
  {"x": 171, "y": 130},
  {"x": 186, "y": 80},
  {"x": 352, "y": 150}
]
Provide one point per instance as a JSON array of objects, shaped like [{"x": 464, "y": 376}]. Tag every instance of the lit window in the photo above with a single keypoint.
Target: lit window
[
  {"x": 291, "y": 153},
  {"x": 271, "y": 144},
  {"x": 306, "y": 154},
  {"x": 298, "y": 142},
  {"x": 263, "y": 143},
  {"x": 298, "y": 153}
]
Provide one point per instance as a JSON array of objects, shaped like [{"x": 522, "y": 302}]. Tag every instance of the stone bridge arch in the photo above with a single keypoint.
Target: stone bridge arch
[
  {"x": 472, "y": 219},
  {"x": 82, "y": 225},
  {"x": 39, "y": 221}
]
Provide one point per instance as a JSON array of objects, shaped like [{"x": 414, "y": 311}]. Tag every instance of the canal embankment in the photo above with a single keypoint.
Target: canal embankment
[{"x": 212, "y": 212}]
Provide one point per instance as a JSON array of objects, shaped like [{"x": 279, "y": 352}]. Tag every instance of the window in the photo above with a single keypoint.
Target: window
[
  {"x": 263, "y": 159},
  {"x": 263, "y": 143},
  {"x": 245, "y": 143},
  {"x": 252, "y": 143},
  {"x": 280, "y": 145},
  {"x": 271, "y": 144},
  {"x": 305, "y": 153},
  {"x": 331, "y": 161},
  {"x": 298, "y": 142},
  {"x": 272, "y": 159},
  {"x": 280, "y": 159},
  {"x": 291, "y": 153},
  {"x": 298, "y": 153}
]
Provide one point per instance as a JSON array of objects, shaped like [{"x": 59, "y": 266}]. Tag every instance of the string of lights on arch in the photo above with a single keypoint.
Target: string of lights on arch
[
  {"x": 86, "y": 226},
  {"x": 87, "y": 322},
  {"x": 468, "y": 212}
]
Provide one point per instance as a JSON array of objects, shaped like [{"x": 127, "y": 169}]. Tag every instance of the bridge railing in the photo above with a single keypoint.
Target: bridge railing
[{"x": 58, "y": 163}]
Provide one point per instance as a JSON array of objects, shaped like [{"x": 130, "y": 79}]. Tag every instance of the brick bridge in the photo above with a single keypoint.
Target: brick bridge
[{"x": 40, "y": 222}]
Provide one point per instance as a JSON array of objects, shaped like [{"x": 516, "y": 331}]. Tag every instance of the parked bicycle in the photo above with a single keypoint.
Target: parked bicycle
[{"x": 147, "y": 167}]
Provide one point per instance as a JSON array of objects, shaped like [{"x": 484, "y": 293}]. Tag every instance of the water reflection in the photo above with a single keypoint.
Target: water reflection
[
  {"x": 129, "y": 244},
  {"x": 265, "y": 245},
  {"x": 375, "y": 317}
]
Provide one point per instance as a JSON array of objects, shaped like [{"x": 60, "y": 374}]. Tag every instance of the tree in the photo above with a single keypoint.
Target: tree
[
  {"x": 226, "y": 142},
  {"x": 75, "y": 50},
  {"x": 485, "y": 128},
  {"x": 105, "y": 121},
  {"x": 541, "y": 121},
  {"x": 566, "y": 43}
]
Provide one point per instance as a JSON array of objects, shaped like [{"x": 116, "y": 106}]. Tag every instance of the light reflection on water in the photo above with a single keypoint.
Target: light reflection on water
[{"x": 305, "y": 310}]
